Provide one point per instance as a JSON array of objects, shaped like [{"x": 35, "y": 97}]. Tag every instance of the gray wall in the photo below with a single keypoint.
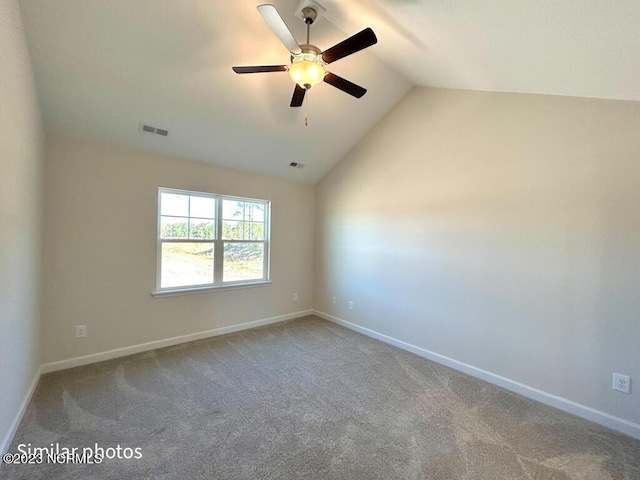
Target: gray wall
[
  {"x": 100, "y": 250},
  {"x": 500, "y": 230},
  {"x": 20, "y": 193}
]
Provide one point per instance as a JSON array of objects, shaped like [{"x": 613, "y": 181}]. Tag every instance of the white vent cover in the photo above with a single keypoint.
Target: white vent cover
[{"x": 151, "y": 130}]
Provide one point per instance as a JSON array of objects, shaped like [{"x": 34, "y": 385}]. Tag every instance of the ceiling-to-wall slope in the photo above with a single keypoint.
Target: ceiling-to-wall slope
[
  {"x": 499, "y": 230},
  {"x": 586, "y": 48},
  {"x": 102, "y": 67}
]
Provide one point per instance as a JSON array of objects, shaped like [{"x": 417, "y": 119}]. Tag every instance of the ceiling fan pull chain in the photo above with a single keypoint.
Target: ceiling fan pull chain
[{"x": 306, "y": 109}]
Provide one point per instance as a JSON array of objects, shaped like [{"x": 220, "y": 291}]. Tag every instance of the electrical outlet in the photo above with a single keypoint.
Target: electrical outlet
[
  {"x": 81, "y": 331},
  {"x": 295, "y": 297},
  {"x": 333, "y": 300},
  {"x": 622, "y": 383},
  {"x": 350, "y": 304}
]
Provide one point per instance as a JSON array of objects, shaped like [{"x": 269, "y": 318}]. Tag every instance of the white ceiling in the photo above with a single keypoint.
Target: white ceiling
[
  {"x": 104, "y": 65},
  {"x": 584, "y": 48}
]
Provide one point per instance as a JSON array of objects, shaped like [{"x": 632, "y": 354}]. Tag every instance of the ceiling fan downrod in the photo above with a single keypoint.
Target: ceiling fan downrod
[{"x": 309, "y": 15}]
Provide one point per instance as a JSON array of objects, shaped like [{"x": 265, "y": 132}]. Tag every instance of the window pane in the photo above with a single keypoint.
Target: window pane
[
  {"x": 186, "y": 264},
  {"x": 238, "y": 210},
  {"x": 232, "y": 209},
  {"x": 203, "y": 207},
  {"x": 174, "y": 204},
  {"x": 243, "y": 261},
  {"x": 202, "y": 228},
  {"x": 254, "y": 212},
  {"x": 254, "y": 231},
  {"x": 232, "y": 230},
  {"x": 174, "y": 227}
]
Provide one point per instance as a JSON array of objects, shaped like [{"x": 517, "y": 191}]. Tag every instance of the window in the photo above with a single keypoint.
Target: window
[{"x": 207, "y": 240}]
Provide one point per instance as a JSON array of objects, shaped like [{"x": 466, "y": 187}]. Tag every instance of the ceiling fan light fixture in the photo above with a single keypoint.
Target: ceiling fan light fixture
[{"x": 306, "y": 73}]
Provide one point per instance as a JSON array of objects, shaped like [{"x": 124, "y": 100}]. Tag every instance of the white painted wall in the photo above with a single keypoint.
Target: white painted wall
[
  {"x": 100, "y": 249},
  {"x": 500, "y": 230},
  {"x": 21, "y": 141}
]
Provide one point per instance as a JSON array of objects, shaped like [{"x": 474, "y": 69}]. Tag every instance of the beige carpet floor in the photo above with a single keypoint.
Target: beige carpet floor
[{"x": 307, "y": 399}]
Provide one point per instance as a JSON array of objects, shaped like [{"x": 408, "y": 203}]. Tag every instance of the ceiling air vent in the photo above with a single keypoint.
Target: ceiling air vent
[{"x": 143, "y": 128}]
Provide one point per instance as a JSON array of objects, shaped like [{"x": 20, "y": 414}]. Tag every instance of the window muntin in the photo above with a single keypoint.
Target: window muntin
[{"x": 211, "y": 240}]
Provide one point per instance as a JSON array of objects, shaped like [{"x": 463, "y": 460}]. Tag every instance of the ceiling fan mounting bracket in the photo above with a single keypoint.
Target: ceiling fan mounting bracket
[
  {"x": 309, "y": 15},
  {"x": 309, "y": 11}
]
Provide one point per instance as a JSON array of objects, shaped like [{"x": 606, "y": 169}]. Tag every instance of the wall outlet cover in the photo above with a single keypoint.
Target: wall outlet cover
[{"x": 622, "y": 383}]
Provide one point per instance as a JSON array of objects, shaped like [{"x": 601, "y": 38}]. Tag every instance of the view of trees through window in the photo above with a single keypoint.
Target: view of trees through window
[{"x": 191, "y": 251}]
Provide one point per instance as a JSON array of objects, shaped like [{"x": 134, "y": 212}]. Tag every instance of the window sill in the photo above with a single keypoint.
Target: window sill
[{"x": 176, "y": 292}]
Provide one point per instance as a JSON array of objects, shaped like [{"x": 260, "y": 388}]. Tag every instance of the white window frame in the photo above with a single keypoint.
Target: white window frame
[{"x": 218, "y": 244}]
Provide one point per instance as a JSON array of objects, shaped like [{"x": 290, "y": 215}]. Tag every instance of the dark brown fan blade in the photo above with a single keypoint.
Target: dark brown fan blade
[
  {"x": 298, "y": 96},
  {"x": 353, "y": 44},
  {"x": 261, "y": 69},
  {"x": 344, "y": 85}
]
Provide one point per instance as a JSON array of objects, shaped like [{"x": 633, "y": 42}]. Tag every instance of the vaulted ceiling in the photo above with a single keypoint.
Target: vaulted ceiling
[{"x": 103, "y": 66}]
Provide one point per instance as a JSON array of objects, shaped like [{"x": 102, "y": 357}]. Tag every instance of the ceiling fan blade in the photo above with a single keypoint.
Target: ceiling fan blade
[
  {"x": 276, "y": 23},
  {"x": 298, "y": 96},
  {"x": 261, "y": 69},
  {"x": 344, "y": 85},
  {"x": 353, "y": 44}
]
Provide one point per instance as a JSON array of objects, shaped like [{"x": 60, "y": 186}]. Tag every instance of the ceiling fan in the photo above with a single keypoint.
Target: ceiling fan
[{"x": 308, "y": 62}]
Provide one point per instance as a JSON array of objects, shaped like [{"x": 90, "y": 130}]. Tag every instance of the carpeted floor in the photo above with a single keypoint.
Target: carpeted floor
[{"x": 307, "y": 399}]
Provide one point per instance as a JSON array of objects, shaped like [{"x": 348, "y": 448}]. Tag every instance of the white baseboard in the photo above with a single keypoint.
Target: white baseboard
[
  {"x": 615, "y": 423},
  {"x": 13, "y": 428},
  {"x": 143, "y": 347}
]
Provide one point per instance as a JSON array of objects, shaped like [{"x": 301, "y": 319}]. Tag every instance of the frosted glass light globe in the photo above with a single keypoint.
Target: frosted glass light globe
[{"x": 306, "y": 73}]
